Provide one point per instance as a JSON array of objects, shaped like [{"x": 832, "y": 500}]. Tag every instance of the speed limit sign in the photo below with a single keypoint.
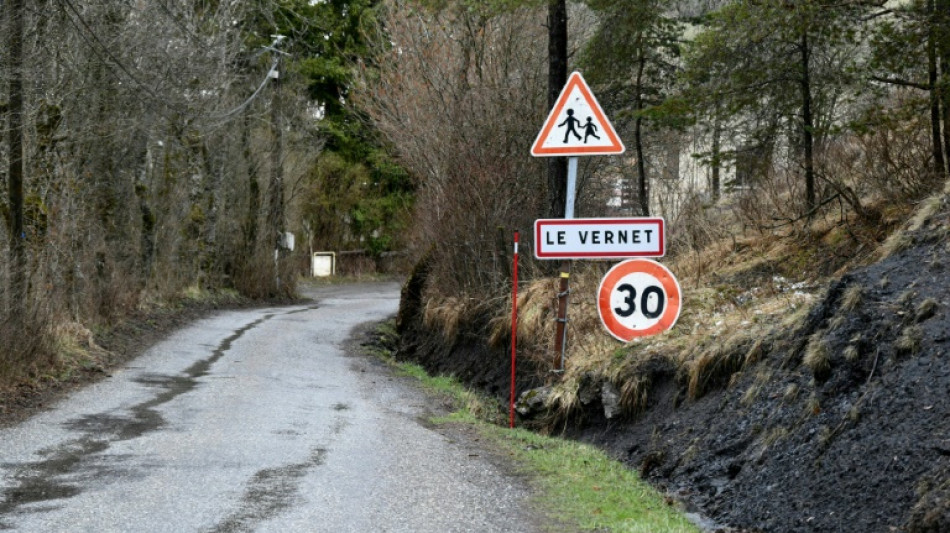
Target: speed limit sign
[{"x": 638, "y": 298}]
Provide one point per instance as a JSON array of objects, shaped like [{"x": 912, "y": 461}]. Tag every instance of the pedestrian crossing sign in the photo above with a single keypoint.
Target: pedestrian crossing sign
[{"x": 577, "y": 125}]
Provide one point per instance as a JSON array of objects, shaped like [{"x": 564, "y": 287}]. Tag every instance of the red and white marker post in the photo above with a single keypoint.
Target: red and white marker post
[{"x": 514, "y": 334}]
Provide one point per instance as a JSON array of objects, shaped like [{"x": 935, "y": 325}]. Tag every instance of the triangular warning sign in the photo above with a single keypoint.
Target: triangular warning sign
[{"x": 577, "y": 125}]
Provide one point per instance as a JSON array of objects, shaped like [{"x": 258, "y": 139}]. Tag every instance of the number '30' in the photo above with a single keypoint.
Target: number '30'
[{"x": 630, "y": 305}]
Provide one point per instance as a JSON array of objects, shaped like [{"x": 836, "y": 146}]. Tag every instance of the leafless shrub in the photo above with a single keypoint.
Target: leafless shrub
[
  {"x": 895, "y": 160},
  {"x": 459, "y": 95}
]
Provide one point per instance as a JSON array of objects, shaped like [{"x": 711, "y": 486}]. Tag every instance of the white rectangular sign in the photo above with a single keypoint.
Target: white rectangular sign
[{"x": 599, "y": 238}]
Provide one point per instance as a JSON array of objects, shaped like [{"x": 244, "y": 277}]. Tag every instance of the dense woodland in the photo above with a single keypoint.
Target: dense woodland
[
  {"x": 156, "y": 147},
  {"x": 153, "y": 149}
]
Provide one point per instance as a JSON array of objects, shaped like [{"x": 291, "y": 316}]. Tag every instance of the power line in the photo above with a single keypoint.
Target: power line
[
  {"x": 222, "y": 117},
  {"x": 115, "y": 60}
]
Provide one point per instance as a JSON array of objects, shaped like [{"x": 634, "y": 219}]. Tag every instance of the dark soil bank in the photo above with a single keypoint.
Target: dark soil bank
[
  {"x": 467, "y": 356},
  {"x": 857, "y": 440}
]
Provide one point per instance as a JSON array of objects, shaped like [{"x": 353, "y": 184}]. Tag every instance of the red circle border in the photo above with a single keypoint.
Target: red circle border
[{"x": 652, "y": 268}]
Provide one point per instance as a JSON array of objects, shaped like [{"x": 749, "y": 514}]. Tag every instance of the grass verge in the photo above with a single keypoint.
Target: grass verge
[{"x": 577, "y": 484}]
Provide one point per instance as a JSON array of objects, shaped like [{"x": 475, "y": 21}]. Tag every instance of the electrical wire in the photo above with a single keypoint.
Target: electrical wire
[
  {"x": 221, "y": 117},
  {"x": 226, "y": 116},
  {"x": 115, "y": 60}
]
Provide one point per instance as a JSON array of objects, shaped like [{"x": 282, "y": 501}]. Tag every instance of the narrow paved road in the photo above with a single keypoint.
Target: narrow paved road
[{"x": 254, "y": 420}]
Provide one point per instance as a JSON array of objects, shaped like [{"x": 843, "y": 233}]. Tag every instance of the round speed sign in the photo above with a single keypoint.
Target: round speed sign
[{"x": 638, "y": 298}]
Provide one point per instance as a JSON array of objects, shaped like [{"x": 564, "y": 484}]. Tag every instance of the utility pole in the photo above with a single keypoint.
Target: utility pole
[
  {"x": 557, "y": 166},
  {"x": 17, "y": 294},
  {"x": 557, "y": 77},
  {"x": 276, "y": 210}
]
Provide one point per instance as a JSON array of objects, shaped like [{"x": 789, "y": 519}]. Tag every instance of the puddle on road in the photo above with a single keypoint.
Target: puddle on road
[{"x": 49, "y": 479}]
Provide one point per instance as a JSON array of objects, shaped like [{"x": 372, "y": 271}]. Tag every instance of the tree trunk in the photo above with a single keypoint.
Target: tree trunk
[
  {"x": 557, "y": 78},
  {"x": 807, "y": 124},
  {"x": 716, "y": 185},
  {"x": 253, "y": 190},
  {"x": 210, "y": 262},
  {"x": 643, "y": 193},
  {"x": 15, "y": 169},
  {"x": 942, "y": 37},
  {"x": 940, "y": 168}
]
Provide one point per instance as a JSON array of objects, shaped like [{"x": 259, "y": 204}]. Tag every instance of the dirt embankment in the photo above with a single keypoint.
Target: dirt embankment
[
  {"x": 466, "y": 354},
  {"x": 842, "y": 424}
]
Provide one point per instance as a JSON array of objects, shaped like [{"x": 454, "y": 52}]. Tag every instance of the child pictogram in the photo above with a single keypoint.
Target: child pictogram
[
  {"x": 590, "y": 130},
  {"x": 570, "y": 121}
]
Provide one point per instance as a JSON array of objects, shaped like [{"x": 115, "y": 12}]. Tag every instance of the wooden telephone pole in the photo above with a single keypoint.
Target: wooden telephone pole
[{"x": 557, "y": 166}]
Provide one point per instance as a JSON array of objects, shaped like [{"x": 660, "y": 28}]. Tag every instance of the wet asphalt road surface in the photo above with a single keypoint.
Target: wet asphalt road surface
[{"x": 255, "y": 420}]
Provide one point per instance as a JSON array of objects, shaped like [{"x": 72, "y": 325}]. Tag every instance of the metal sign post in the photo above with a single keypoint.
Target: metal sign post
[
  {"x": 564, "y": 290},
  {"x": 575, "y": 126},
  {"x": 571, "y": 187}
]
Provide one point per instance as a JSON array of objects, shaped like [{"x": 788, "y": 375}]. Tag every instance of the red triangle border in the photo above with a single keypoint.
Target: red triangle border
[{"x": 616, "y": 145}]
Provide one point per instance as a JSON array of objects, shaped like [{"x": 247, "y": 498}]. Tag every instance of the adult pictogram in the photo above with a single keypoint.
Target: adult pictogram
[
  {"x": 585, "y": 128},
  {"x": 570, "y": 121},
  {"x": 638, "y": 298}
]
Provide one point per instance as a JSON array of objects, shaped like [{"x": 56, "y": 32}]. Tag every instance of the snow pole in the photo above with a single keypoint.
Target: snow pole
[{"x": 514, "y": 334}]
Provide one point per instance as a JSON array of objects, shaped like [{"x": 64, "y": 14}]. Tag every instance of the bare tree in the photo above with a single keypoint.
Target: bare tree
[{"x": 460, "y": 93}]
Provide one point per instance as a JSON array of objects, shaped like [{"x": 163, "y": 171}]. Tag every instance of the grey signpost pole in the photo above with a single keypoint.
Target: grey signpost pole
[
  {"x": 575, "y": 108},
  {"x": 571, "y": 187},
  {"x": 564, "y": 290}
]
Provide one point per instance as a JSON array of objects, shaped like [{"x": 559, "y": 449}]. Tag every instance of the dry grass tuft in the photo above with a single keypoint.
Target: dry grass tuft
[
  {"x": 909, "y": 343},
  {"x": 445, "y": 314},
  {"x": 907, "y": 297},
  {"x": 716, "y": 365},
  {"x": 851, "y": 353},
  {"x": 75, "y": 349},
  {"x": 776, "y": 435},
  {"x": 791, "y": 393},
  {"x": 853, "y": 296},
  {"x": 817, "y": 357},
  {"x": 837, "y": 322},
  {"x": 899, "y": 241},
  {"x": 755, "y": 353},
  {"x": 73, "y": 336},
  {"x": 752, "y": 394},
  {"x": 812, "y": 406},
  {"x": 926, "y": 309},
  {"x": 635, "y": 394},
  {"x": 537, "y": 307}
]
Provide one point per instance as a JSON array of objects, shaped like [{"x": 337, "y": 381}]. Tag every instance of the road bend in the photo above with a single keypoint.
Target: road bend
[{"x": 254, "y": 420}]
